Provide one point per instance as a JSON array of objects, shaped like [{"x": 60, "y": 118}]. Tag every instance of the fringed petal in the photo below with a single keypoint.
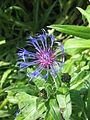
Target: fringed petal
[
  {"x": 36, "y": 73},
  {"x": 27, "y": 64},
  {"x": 52, "y": 40}
]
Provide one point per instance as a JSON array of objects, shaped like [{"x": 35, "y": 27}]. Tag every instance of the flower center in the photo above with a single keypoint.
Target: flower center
[{"x": 45, "y": 57}]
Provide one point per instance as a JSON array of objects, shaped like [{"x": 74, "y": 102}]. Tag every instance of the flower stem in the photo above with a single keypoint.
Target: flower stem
[{"x": 3, "y": 103}]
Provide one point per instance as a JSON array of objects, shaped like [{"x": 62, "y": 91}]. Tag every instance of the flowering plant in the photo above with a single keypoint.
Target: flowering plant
[
  {"x": 44, "y": 86},
  {"x": 44, "y": 57}
]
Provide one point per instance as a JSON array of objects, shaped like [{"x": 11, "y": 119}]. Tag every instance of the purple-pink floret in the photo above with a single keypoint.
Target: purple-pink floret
[{"x": 44, "y": 56}]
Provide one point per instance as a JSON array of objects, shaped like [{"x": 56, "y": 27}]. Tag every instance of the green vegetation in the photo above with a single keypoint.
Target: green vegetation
[{"x": 38, "y": 99}]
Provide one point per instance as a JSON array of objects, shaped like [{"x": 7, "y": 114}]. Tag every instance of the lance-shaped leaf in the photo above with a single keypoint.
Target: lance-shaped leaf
[
  {"x": 79, "y": 31},
  {"x": 85, "y": 13}
]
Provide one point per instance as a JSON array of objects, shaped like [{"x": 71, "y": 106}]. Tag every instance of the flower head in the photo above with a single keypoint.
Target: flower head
[{"x": 45, "y": 57}]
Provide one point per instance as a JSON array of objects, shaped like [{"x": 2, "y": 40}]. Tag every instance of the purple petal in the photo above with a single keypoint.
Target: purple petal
[
  {"x": 52, "y": 39},
  {"x": 36, "y": 73},
  {"x": 27, "y": 64},
  {"x": 35, "y": 43},
  {"x": 44, "y": 35},
  {"x": 52, "y": 72},
  {"x": 40, "y": 37},
  {"x": 62, "y": 49},
  {"x": 24, "y": 54}
]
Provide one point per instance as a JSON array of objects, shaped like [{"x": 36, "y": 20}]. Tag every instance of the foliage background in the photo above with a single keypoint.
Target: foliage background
[{"x": 21, "y": 18}]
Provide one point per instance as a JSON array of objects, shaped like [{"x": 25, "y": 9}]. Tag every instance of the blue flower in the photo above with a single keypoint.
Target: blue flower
[{"x": 45, "y": 57}]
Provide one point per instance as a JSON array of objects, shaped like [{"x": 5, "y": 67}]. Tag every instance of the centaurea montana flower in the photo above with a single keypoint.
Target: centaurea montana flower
[{"x": 45, "y": 57}]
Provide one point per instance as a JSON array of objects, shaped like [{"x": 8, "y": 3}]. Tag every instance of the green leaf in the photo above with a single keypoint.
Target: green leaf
[
  {"x": 67, "y": 68},
  {"x": 4, "y": 113},
  {"x": 79, "y": 83},
  {"x": 73, "y": 46},
  {"x": 5, "y": 75},
  {"x": 46, "y": 15},
  {"x": 2, "y": 42},
  {"x": 2, "y": 63},
  {"x": 77, "y": 103},
  {"x": 86, "y": 13},
  {"x": 88, "y": 103},
  {"x": 30, "y": 89},
  {"x": 40, "y": 83},
  {"x": 36, "y": 14},
  {"x": 79, "y": 31},
  {"x": 78, "y": 76},
  {"x": 30, "y": 108},
  {"x": 14, "y": 7},
  {"x": 53, "y": 112},
  {"x": 64, "y": 102}
]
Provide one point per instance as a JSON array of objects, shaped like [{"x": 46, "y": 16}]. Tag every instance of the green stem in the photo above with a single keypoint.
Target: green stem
[{"x": 3, "y": 103}]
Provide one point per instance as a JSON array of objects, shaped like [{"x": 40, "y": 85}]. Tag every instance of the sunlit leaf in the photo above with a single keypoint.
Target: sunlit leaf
[
  {"x": 5, "y": 75},
  {"x": 30, "y": 108},
  {"x": 86, "y": 13},
  {"x": 73, "y": 46},
  {"x": 53, "y": 112},
  {"x": 64, "y": 102},
  {"x": 79, "y": 83},
  {"x": 79, "y": 31}
]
